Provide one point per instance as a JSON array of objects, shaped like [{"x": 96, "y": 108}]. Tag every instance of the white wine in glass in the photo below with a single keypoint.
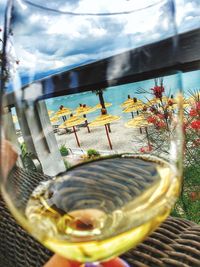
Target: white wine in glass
[{"x": 96, "y": 124}]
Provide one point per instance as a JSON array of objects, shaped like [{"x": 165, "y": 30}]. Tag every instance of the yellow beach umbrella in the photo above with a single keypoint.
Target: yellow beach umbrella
[
  {"x": 63, "y": 112},
  {"x": 84, "y": 110},
  {"x": 132, "y": 108},
  {"x": 103, "y": 120},
  {"x": 165, "y": 99},
  {"x": 139, "y": 121},
  {"x": 186, "y": 103},
  {"x": 54, "y": 119},
  {"x": 50, "y": 112},
  {"x": 98, "y": 106},
  {"x": 156, "y": 100},
  {"x": 130, "y": 102},
  {"x": 127, "y": 102},
  {"x": 72, "y": 122},
  {"x": 135, "y": 106}
]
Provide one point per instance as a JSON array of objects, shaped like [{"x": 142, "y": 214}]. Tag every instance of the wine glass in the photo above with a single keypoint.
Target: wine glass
[{"x": 95, "y": 119}]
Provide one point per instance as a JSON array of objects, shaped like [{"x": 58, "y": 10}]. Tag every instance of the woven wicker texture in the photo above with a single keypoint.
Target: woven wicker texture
[{"x": 175, "y": 243}]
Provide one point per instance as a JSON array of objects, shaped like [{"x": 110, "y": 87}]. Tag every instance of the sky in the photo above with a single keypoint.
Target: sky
[{"x": 44, "y": 40}]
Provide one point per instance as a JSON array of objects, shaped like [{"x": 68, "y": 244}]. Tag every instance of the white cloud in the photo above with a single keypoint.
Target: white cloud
[{"x": 46, "y": 40}]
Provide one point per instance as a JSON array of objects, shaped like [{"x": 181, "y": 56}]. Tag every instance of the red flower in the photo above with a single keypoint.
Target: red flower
[
  {"x": 170, "y": 102},
  {"x": 160, "y": 116},
  {"x": 158, "y": 91},
  {"x": 198, "y": 106},
  {"x": 146, "y": 149},
  {"x": 160, "y": 124},
  {"x": 152, "y": 119},
  {"x": 193, "y": 113},
  {"x": 195, "y": 125}
]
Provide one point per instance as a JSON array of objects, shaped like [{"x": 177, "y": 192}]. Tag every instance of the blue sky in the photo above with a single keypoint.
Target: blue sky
[{"x": 46, "y": 41}]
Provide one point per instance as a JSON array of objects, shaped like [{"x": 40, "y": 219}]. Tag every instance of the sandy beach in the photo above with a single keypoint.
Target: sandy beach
[{"x": 123, "y": 139}]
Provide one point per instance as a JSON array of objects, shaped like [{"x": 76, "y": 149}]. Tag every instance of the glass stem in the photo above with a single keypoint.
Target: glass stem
[{"x": 118, "y": 263}]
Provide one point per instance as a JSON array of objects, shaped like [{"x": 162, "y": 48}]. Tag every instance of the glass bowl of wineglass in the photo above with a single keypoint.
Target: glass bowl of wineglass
[{"x": 93, "y": 119}]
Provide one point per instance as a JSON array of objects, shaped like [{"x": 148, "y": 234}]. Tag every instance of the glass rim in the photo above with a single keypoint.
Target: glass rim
[
  {"x": 156, "y": 207},
  {"x": 60, "y": 11}
]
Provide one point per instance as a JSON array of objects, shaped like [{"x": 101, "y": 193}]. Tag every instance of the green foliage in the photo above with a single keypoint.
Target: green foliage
[
  {"x": 92, "y": 153},
  {"x": 188, "y": 204},
  {"x": 67, "y": 164},
  {"x": 23, "y": 149},
  {"x": 64, "y": 151}
]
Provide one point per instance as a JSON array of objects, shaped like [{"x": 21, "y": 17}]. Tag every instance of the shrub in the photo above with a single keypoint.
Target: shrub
[
  {"x": 64, "y": 151},
  {"x": 187, "y": 206},
  {"x": 92, "y": 153},
  {"x": 67, "y": 164},
  {"x": 23, "y": 149}
]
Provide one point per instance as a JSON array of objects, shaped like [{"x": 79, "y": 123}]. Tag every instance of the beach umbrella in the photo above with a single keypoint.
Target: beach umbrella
[
  {"x": 71, "y": 123},
  {"x": 83, "y": 110},
  {"x": 138, "y": 122},
  {"x": 156, "y": 100},
  {"x": 50, "y": 112},
  {"x": 98, "y": 106},
  {"x": 130, "y": 102},
  {"x": 54, "y": 119},
  {"x": 133, "y": 107},
  {"x": 186, "y": 103},
  {"x": 106, "y": 104},
  {"x": 63, "y": 112},
  {"x": 104, "y": 120},
  {"x": 164, "y": 99}
]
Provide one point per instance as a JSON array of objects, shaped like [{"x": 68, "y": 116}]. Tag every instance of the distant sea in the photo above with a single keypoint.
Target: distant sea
[{"x": 118, "y": 94}]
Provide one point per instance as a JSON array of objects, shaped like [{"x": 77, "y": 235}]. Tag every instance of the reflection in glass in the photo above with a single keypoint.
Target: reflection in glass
[{"x": 97, "y": 125}]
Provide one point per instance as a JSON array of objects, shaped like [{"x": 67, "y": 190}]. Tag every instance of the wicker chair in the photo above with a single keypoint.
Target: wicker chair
[{"x": 175, "y": 243}]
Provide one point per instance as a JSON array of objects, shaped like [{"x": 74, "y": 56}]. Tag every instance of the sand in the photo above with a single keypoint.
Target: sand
[{"x": 123, "y": 139}]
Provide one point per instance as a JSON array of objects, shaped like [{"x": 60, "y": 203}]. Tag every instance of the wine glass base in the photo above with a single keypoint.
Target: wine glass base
[{"x": 117, "y": 263}]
